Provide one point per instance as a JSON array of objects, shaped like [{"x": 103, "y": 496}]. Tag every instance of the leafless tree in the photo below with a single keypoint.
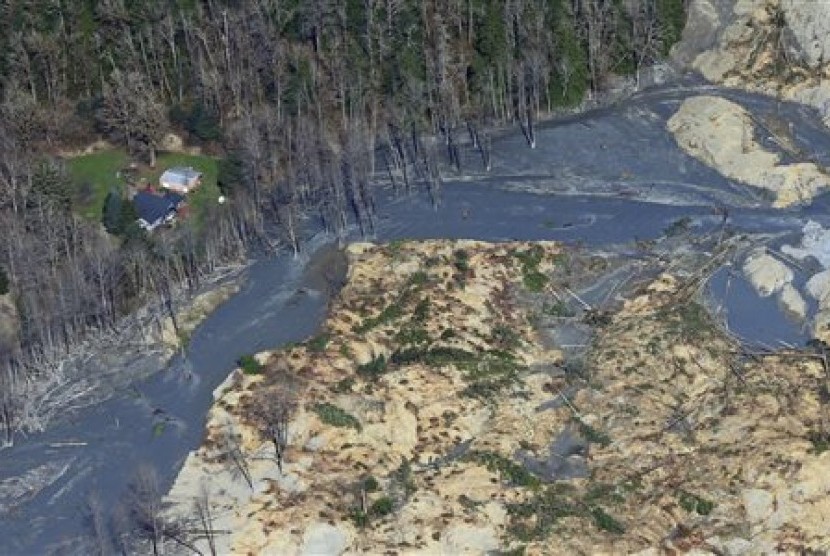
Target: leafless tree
[
  {"x": 204, "y": 514},
  {"x": 148, "y": 518},
  {"x": 146, "y": 507},
  {"x": 597, "y": 20},
  {"x": 9, "y": 402},
  {"x": 273, "y": 410},
  {"x": 230, "y": 450},
  {"x": 132, "y": 111},
  {"x": 646, "y": 34},
  {"x": 96, "y": 518}
]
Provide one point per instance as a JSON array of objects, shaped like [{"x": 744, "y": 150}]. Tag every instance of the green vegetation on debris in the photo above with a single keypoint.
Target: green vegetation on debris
[
  {"x": 530, "y": 260},
  {"x": 535, "y": 518},
  {"x": 694, "y": 504},
  {"x": 4, "y": 282},
  {"x": 510, "y": 472},
  {"x": 332, "y": 415},
  {"x": 249, "y": 365},
  {"x": 318, "y": 343}
]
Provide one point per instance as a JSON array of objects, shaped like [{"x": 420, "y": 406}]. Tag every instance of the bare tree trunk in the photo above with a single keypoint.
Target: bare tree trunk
[
  {"x": 204, "y": 514},
  {"x": 97, "y": 523},
  {"x": 232, "y": 453}
]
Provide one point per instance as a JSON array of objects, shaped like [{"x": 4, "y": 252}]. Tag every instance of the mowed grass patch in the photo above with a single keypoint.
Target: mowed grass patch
[{"x": 93, "y": 176}]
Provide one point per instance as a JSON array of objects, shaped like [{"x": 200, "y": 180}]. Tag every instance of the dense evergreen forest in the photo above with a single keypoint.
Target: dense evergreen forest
[{"x": 302, "y": 101}]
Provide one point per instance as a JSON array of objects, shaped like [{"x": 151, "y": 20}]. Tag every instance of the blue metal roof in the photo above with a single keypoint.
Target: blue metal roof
[{"x": 152, "y": 208}]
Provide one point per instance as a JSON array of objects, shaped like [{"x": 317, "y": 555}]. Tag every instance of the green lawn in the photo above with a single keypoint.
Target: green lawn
[
  {"x": 93, "y": 176},
  {"x": 96, "y": 174}
]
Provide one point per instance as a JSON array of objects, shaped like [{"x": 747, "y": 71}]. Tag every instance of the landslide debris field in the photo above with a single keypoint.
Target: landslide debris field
[
  {"x": 611, "y": 180},
  {"x": 469, "y": 396}
]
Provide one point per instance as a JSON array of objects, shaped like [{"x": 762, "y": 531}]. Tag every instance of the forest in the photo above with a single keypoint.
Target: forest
[{"x": 301, "y": 103}]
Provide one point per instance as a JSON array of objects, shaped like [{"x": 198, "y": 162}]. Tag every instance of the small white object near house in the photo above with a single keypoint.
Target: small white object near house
[
  {"x": 180, "y": 179},
  {"x": 221, "y": 199}
]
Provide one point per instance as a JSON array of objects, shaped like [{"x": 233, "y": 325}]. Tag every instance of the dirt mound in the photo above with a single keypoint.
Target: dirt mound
[{"x": 721, "y": 134}]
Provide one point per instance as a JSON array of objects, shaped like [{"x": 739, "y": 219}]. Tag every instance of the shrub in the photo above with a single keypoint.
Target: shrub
[
  {"x": 111, "y": 217},
  {"x": 418, "y": 278},
  {"x": 359, "y": 518},
  {"x": 509, "y": 471},
  {"x": 433, "y": 357},
  {"x": 672, "y": 17},
  {"x": 518, "y": 551},
  {"x": 530, "y": 260},
  {"x": 820, "y": 441},
  {"x": 373, "y": 368},
  {"x": 412, "y": 335},
  {"x": 332, "y": 415},
  {"x": 448, "y": 333},
  {"x": 381, "y": 507},
  {"x": 229, "y": 173},
  {"x": 689, "y": 320},
  {"x": 695, "y": 504},
  {"x": 505, "y": 336},
  {"x": 487, "y": 389},
  {"x": 606, "y": 522},
  {"x": 370, "y": 484},
  {"x": 421, "y": 312},
  {"x": 462, "y": 260},
  {"x": 432, "y": 261},
  {"x": 679, "y": 226},
  {"x": 318, "y": 343},
  {"x": 534, "y": 281},
  {"x": 343, "y": 386},
  {"x": 4, "y": 282},
  {"x": 395, "y": 247},
  {"x": 593, "y": 435},
  {"x": 557, "y": 309},
  {"x": 402, "y": 477},
  {"x": 249, "y": 365},
  {"x": 390, "y": 313}
]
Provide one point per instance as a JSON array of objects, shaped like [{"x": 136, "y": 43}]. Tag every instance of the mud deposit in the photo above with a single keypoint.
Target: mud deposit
[{"x": 612, "y": 180}]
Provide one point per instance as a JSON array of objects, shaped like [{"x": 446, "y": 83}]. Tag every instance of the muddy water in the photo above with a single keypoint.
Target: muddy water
[{"x": 610, "y": 177}]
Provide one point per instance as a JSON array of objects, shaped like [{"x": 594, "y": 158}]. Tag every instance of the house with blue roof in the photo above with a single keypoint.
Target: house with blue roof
[{"x": 154, "y": 210}]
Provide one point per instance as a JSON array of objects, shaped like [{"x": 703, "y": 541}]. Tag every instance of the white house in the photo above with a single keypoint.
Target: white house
[{"x": 180, "y": 179}]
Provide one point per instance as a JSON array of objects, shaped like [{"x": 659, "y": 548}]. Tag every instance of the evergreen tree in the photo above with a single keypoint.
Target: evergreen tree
[
  {"x": 229, "y": 173},
  {"x": 672, "y": 17},
  {"x": 129, "y": 228},
  {"x": 4, "y": 282},
  {"x": 112, "y": 213}
]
